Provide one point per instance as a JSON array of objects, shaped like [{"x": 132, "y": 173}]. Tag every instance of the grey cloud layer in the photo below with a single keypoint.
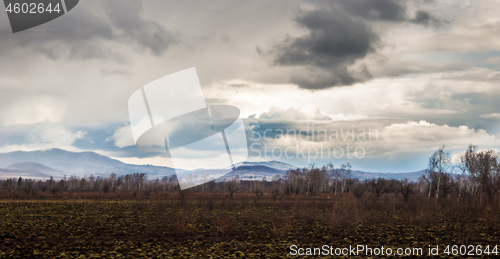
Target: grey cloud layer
[
  {"x": 338, "y": 36},
  {"x": 335, "y": 41},
  {"x": 82, "y": 34},
  {"x": 81, "y": 88}
]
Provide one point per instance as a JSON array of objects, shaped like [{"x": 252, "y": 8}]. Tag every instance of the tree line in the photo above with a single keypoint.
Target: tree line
[
  {"x": 134, "y": 183},
  {"x": 476, "y": 175}
]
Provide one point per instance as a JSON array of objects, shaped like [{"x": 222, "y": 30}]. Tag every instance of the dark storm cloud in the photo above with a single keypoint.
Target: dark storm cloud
[
  {"x": 424, "y": 18},
  {"x": 385, "y": 10},
  {"x": 339, "y": 35},
  {"x": 81, "y": 33},
  {"x": 335, "y": 41},
  {"x": 334, "y": 38}
]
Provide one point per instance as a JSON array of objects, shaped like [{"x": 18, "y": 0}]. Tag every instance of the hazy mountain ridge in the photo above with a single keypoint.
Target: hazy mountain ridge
[
  {"x": 259, "y": 171},
  {"x": 254, "y": 173},
  {"x": 412, "y": 176},
  {"x": 58, "y": 163},
  {"x": 81, "y": 163},
  {"x": 33, "y": 166},
  {"x": 29, "y": 170},
  {"x": 271, "y": 164}
]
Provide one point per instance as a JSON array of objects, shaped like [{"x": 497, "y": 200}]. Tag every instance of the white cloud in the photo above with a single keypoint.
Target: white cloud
[
  {"x": 47, "y": 136},
  {"x": 493, "y": 116},
  {"x": 383, "y": 139},
  {"x": 299, "y": 113},
  {"x": 33, "y": 109},
  {"x": 425, "y": 134},
  {"x": 495, "y": 60},
  {"x": 470, "y": 29},
  {"x": 122, "y": 137},
  {"x": 384, "y": 97}
]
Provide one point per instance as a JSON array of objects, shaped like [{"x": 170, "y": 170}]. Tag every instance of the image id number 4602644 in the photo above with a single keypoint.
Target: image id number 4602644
[{"x": 32, "y": 8}]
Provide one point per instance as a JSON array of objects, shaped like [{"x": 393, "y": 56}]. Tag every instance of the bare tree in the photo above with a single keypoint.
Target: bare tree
[
  {"x": 484, "y": 169},
  {"x": 377, "y": 186},
  {"x": 358, "y": 190},
  {"x": 232, "y": 186},
  {"x": 439, "y": 164},
  {"x": 345, "y": 173},
  {"x": 406, "y": 189},
  {"x": 395, "y": 189},
  {"x": 276, "y": 189}
]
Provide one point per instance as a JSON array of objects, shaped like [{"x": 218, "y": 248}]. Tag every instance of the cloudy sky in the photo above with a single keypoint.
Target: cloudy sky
[{"x": 415, "y": 74}]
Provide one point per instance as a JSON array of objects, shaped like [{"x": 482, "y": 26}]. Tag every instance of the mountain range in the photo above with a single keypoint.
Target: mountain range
[
  {"x": 42, "y": 164},
  {"x": 77, "y": 163}
]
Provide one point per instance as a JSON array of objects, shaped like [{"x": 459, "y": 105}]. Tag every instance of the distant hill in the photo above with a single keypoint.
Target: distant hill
[
  {"x": 412, "y": 176},
  {"x": 257, "y": 172},
  {"x": 29, "y": 170},
  {"x": 254, "y": 172},
  {"x": 272, "y": 164},
  {"x": 81, "y": 163},
  {"x": 33, "y": 166},
  {"x": 58, "y": 162}
]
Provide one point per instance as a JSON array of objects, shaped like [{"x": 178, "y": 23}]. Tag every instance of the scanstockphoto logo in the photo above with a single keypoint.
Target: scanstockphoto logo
[
  {"x": 26, "y": 14},
  {"x": 170, "y": 115}
]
